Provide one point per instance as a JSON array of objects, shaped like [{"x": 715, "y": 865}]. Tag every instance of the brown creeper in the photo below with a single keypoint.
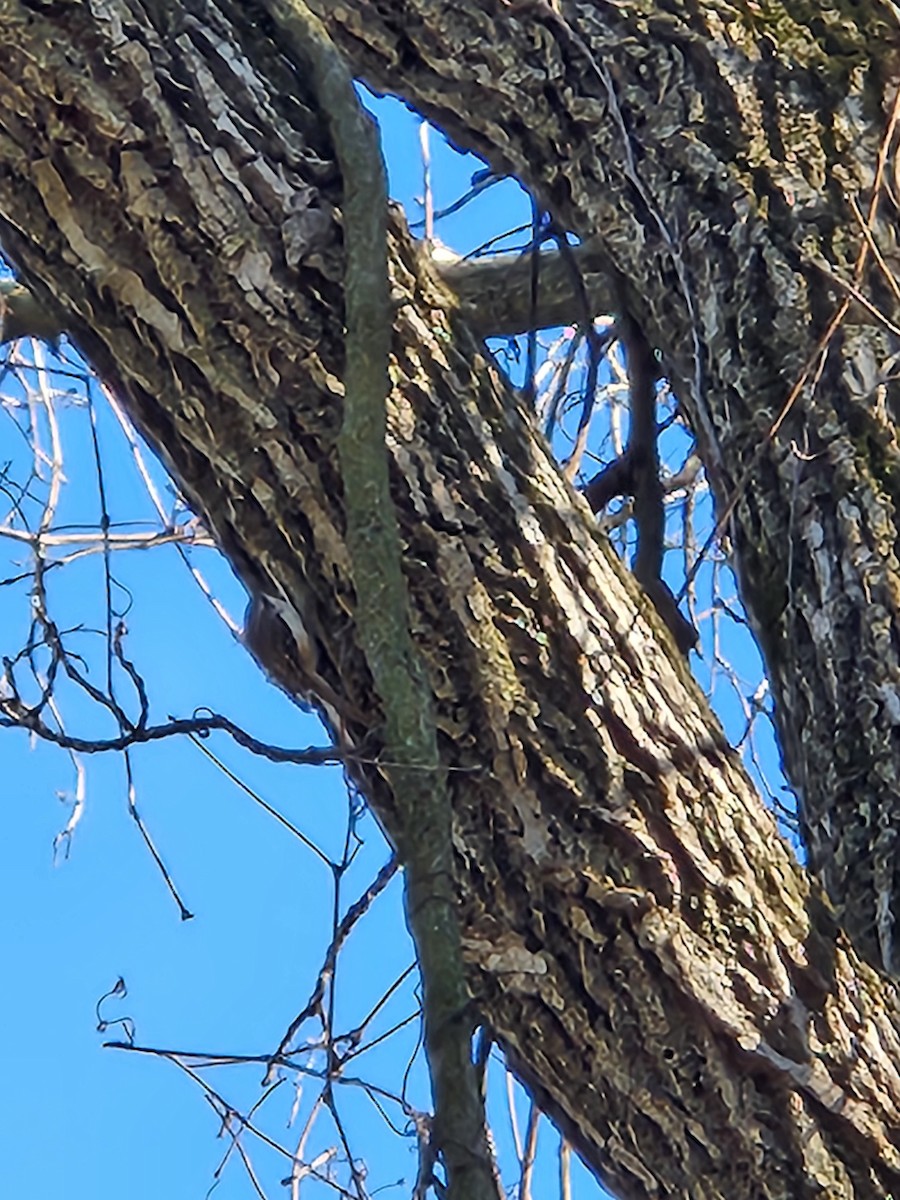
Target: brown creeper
[{"x": 276, "y": 636}]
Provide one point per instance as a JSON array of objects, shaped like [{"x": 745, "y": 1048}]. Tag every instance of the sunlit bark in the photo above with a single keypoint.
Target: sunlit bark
[
  {"x": 723, "y": 156},
  {"x": 659, "y": 969}
]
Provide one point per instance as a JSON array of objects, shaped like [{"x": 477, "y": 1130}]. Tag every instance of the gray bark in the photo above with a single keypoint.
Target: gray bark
[
  {"x": 660, "y": 971},
  {"x": 715, "y": 155}
]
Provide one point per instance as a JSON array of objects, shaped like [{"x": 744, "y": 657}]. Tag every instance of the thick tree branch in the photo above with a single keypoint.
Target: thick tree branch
[
  {"x": 643, "y": 944},
  {"x": 718, "y": 178},
  {"x": 494, "y": 294}
]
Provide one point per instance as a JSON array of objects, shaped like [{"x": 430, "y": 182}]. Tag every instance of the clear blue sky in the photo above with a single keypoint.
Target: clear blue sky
[{"x": 95, "y": 1123}]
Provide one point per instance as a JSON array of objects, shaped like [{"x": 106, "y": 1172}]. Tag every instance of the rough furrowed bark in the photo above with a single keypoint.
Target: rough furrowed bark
[
  {"x": 644, "y": 945},
  {"x": 714, "y": 150}
]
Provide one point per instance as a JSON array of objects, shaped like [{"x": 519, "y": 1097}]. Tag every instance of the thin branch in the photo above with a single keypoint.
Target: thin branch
[
  {"x": 263, "y": 804},
  {"x": 530, "y": 1152},
  {"x": 186, "y": 915},
  {"x": 344, "y": 928},
  {"x": 565, "y": 1169},
  {"x": 382, "y": 613},
  {"x": 15, "y": 715},
  {"x": 647, "y": 487}
]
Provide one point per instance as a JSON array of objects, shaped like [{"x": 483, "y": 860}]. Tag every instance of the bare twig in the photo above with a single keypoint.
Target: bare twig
[{"x": 529, "y": 1153}]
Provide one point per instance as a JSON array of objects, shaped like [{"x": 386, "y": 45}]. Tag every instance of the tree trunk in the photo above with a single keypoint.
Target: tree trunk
[
  {"x": 723, "y": 157},
  {"x": 659, "y": 969}
]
